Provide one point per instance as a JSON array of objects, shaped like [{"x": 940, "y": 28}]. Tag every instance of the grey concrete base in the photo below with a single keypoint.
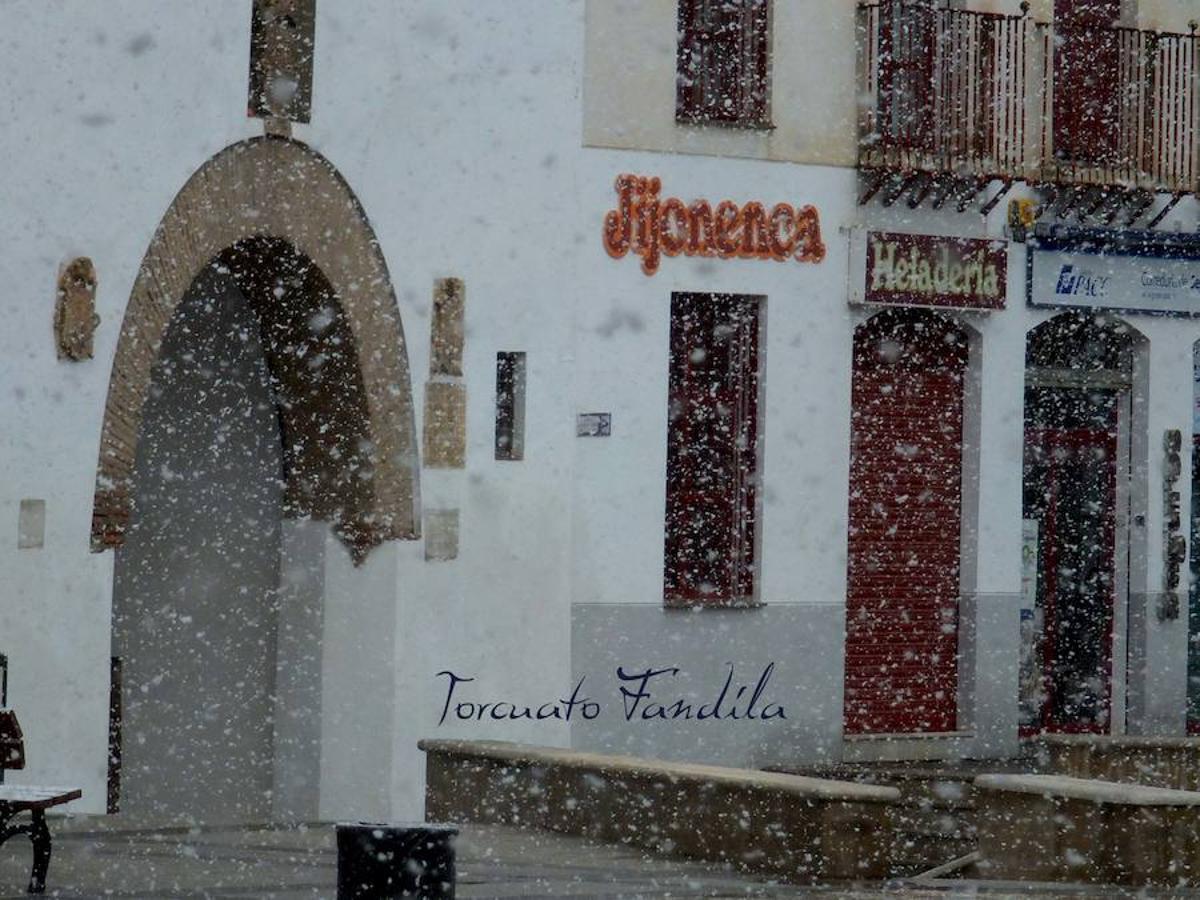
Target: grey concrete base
[{"x": 803, "y": 645}]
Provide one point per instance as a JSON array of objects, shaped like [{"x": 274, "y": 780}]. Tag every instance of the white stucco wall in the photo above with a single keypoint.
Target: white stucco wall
[
  {"x": 108, "y": 112},
  {"x": 107, "y": 116}
]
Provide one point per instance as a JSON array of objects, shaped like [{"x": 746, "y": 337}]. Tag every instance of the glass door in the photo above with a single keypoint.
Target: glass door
[{"x": 1070, "y": 479}]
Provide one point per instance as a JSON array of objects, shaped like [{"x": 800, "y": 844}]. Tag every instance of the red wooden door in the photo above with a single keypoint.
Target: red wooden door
[
  {"x": 712, "y": 450},
  {"x": 1087, "y": 55},
  {"x": 905, "y": 518}
]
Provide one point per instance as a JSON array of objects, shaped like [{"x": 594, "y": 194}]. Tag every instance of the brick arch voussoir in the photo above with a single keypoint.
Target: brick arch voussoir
[{"x": 280, "y": 188}]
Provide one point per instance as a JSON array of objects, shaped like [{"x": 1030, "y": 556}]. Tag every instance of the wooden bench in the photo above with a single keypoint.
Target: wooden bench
[{"x": 16, "y": 799}]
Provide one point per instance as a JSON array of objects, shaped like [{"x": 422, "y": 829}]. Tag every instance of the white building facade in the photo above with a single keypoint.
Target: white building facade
[{"x": 537, "y": 359}]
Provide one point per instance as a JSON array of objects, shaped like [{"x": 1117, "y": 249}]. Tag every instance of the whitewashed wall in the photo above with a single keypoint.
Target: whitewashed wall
[
  {"x": 457, "y": 126},
  {"x": 107, "y": 110}
]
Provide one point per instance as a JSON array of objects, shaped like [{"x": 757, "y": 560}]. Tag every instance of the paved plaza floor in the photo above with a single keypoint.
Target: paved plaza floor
[
  {"x": 97, "y": 857},
  {"x": 114, "y": 857}
]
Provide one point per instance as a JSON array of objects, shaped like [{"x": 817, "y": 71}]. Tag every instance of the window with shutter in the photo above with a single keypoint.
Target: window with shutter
[
  {"x": 907, "y": 86},
  {"x": 712, "y": 450},
  {"x": 721, "y": 64}
]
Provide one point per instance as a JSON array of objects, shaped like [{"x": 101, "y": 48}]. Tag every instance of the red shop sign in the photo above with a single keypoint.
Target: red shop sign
[
  {"x": 929, "y": 270},
  {"x": 653, "y": 227}
]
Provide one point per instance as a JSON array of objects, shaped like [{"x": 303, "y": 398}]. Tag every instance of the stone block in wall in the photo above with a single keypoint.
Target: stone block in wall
[
  {"x": 441, "y": 534},
  {"x": 110, "y": 517},
  {"x": 75, "y": 317},
  {"x": 1066, "y": 829},
  {"x": 446, "y": 330},
  {"x": 1157, "y": 761},
  {"x": 281, "y": 59},
  {"x": 445, "y": 428}
]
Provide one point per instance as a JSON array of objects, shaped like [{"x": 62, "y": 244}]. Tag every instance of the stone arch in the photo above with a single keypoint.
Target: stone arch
[{"x": 276, "y": 201}]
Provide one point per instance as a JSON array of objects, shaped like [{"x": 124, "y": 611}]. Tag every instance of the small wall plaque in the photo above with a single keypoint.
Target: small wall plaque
[
  {"x": 441, "y": 534},
  {"x": 31, "y": 524},
  {"x": 593, "y": 425}
]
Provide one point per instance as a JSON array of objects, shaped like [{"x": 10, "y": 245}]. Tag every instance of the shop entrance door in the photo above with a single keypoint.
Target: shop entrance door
[
  {"x": 905, "y": 518},
  {"x": 1070, "y": 484}
]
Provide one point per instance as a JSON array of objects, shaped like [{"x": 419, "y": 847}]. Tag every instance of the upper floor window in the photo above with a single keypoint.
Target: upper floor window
[{"x": 721, "y": 64}]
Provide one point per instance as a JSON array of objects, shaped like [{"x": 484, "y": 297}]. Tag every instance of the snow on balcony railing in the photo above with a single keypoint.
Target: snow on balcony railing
[
  {"x": 1120, "y": 107},
  {"x": 984, "y": 95},
  {"x": 943, "y": 90}
]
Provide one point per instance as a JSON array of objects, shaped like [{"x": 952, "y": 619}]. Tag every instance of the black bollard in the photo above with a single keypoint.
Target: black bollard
[{"x": 379, "y": 862}]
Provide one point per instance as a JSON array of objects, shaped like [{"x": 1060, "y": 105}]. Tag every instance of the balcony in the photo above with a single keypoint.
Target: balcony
[{"x": 1101, "y": 120}]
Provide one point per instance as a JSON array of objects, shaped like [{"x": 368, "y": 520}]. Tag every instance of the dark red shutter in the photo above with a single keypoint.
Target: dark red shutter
[
  {"x": 721, "y": 61},
  {"x": 905, "y": 517},
  {"x": 907, "y": 35},
  {"x": 1087, "y": 58},
  {"x": 712, "y": 448},
  {"x": 756, "y": 49}
]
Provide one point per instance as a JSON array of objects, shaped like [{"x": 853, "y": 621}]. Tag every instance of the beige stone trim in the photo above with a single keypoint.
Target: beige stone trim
[
  {"x": 446, "y": 333},
  {"x": 269, "y": 187},
  {"x": 75, "y": 318},
  {"x": 799, "y": 786},
  {"x": 445, "y": 419},
  {"x": 445, "y": 427}
]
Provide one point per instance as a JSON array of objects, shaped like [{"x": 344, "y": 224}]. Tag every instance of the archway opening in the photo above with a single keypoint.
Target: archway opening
[
  {"x": 256, "y": 414},
  {"x": 245, "y": 192},
  {"x": 265, "y": 247},
  {"x": 1079, "y": 428}
]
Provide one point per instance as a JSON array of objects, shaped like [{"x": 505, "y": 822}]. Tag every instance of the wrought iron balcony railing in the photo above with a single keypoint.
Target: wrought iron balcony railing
[{"x": 980, "y": 96}]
